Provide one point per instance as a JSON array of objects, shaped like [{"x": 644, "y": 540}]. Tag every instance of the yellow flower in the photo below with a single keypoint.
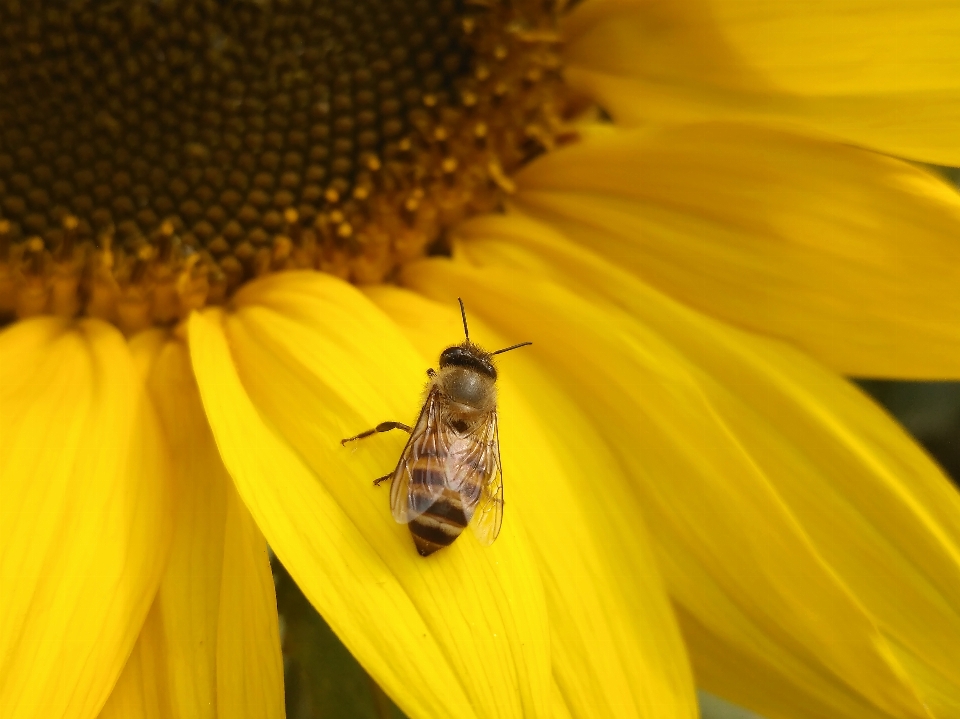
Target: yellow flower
[{"x": 232, "y": 235}]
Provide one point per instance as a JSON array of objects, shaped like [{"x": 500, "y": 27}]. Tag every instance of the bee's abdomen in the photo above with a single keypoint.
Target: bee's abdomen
[{"x": 440, "y": 524}]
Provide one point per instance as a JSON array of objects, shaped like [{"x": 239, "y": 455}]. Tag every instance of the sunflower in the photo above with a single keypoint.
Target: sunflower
[{"x": 234, "y": 233}]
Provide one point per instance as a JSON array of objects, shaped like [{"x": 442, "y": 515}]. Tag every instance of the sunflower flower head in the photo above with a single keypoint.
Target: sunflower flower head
[
  {"x": 232, "y": 234},
  {"x": 156, "y": 156}
]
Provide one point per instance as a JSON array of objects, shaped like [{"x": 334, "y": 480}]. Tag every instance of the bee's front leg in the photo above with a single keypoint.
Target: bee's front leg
[{"x": 382, "y": 427}]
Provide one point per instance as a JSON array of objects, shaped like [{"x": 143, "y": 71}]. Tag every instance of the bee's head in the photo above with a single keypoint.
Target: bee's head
[
  {"x": 467, "y": 374},
  {"x": 468, "y": 356}
]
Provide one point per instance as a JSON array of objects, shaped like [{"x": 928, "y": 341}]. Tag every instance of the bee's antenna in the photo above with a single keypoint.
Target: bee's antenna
[
  {"x": 507, "y": 349},
  {"x": 463, "y": 313}
]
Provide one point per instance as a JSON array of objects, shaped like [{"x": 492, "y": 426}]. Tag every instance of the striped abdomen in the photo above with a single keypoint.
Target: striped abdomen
[
  {"x": 443, "y": 520},
  {"x": 440, "y": 524}
]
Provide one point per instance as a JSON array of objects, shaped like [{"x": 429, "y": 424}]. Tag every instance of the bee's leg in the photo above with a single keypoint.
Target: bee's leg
[
  {"x": 431, "y": 373},
  {"x": 382, "y": 427},
  {"x": 379, "y": 480}
]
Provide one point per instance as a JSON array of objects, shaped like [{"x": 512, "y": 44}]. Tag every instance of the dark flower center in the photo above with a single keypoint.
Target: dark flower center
[{"x": 156, "y": 155}]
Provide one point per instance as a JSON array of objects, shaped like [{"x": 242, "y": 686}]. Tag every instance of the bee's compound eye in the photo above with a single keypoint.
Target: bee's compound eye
[
  {"x": 450, "y": 355},
  {"x": 468, "y": 357}
]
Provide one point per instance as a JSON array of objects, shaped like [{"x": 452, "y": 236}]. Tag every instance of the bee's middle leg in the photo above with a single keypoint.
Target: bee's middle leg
[{"x": 382, "y": 427}]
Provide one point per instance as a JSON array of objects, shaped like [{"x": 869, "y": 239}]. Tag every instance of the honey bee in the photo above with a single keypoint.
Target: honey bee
[{"x": 449, "y": 474}]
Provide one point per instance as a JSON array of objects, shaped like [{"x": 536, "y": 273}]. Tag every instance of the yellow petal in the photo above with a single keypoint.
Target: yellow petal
[
  {"x": 850, "y": 255},
  {"x": 882, "y": 75},
  {"x": 560, "y": 708},
  {"x": 616, "y": 649},
  {"x": 221, "y": 647},
  {"x": 823, "y": 476},
  {"x": 84, "y": 514},
  {"x": 303, "y": 361},
  {"x": 141, "y": 690},
  {"x": 249, "y": 664},
  {"x": 188, "y": 601}
]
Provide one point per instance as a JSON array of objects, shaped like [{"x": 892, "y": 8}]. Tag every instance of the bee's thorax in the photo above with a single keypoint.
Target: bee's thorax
[{"x": 469, "y": 392}]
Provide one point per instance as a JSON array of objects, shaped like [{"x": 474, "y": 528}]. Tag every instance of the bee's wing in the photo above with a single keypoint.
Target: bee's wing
[
  {"x": 488, "y": 515},
  {"x": 419, "y": 477}
]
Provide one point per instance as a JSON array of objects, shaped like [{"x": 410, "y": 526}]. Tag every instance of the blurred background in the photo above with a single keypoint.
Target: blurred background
[{"x": 324, "y": 682}]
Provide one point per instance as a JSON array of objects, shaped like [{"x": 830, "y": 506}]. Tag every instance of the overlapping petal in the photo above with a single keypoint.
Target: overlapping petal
[
  {"x": 882, "y": 75},
  {"x": 616, "y": 650},
  {"x": 189, "y": 596},
  {"x": 249, "y": 664},
  {"x": 865, "y": 526},
  {"x": 850, "y": 255},
  {"x": 86, "y": 514},
  {"x": 214, "y": 647},
  {"x": 142, "y": 691},
  {"x": 303, "y": 360}
]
